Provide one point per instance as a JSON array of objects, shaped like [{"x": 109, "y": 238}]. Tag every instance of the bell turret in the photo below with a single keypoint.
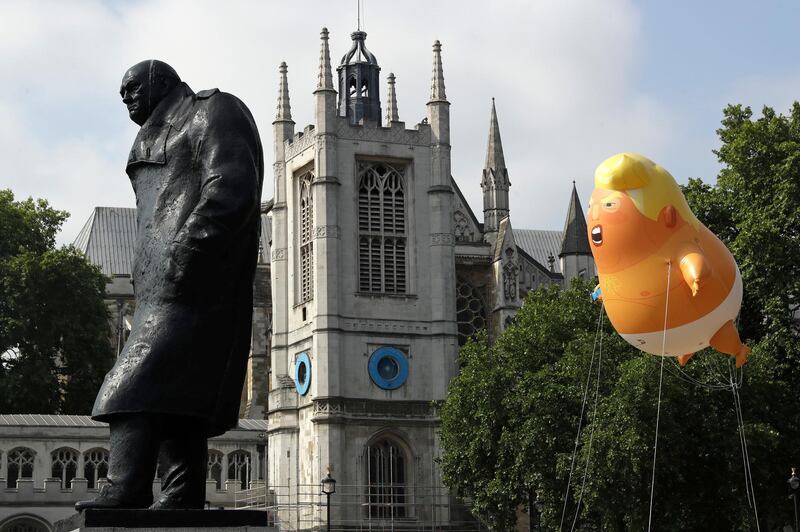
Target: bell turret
[{"x": 359, "y": 98}]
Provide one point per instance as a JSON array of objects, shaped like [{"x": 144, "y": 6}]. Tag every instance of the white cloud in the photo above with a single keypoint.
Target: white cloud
[{"x": 563, "y": 73}]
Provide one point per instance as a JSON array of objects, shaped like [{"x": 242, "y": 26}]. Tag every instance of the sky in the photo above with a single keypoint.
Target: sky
[{"x": 575, "y": 81}]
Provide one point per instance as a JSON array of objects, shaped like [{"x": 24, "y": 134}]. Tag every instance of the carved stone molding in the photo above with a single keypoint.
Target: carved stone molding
[
  {"x": 326, "y": 180},
  {"x": 339, "y": 406},
  {"x": 468, "y": 259},
  {"x": 326, "y": 231},
  {"x": 510, "y": 284},
  {"x": 326, "y": 407},
  {"x": 442, "y": 239},
  {"x": 278, "y": 254},
  {"x": 384, "y": 325}
]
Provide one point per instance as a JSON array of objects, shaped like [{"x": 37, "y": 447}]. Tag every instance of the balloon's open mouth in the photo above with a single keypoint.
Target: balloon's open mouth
[{"x": 597, "y": 235}]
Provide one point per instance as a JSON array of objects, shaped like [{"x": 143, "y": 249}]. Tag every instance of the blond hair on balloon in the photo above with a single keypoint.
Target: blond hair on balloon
[{"x": 649, "y": 186}]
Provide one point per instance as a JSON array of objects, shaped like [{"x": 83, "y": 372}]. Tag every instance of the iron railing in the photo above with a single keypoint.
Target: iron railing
[{"x": 360, "y": 508}]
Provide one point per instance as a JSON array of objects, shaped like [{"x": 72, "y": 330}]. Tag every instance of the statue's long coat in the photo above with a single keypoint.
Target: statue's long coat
[{"x": 196, "y": 167}]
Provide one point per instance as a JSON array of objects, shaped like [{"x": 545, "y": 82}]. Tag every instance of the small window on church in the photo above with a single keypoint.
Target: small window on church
[
  {"x": 95, "y": 466},
  {"x": 239, "y": 468},
  {"x": 214, "y": 470},
  {"x": 381, "y": 229},
  {"x": 306, "y": 233},
  {"x": 65, "y": 465},
  {"x": 364, "y": 91},
  {"x": 351, "y": 86},
  {"x": 386, "y": 475},
  {"x": 20, "y": 465}
]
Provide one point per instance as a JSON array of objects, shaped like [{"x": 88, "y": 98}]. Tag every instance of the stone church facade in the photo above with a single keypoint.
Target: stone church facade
[{"x": 379, "y": 270}]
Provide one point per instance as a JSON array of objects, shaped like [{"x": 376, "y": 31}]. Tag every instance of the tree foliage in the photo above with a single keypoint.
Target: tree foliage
[
  {"x": 54, "y": 343},
  {"x": 510, "y": 421}
]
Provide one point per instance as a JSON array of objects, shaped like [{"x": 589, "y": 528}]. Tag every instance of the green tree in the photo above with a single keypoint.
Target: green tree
[
  {"x": 54, "y": 343},
  {"x": 754, "y": 208},
  {"x": 510, "y": 420}
]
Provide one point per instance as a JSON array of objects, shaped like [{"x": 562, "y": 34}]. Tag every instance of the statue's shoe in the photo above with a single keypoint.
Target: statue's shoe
[
  {"x": 109, "y": 498},
  {"x": 176, "y": 503}
]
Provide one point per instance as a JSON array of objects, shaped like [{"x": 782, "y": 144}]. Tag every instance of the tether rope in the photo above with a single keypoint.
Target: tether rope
[
  {"x": 591, "y": 432},
  {"x": 748, "y": 475},
  {"x": 598, "y": 334},
  {"x": 658, "y": 408}
]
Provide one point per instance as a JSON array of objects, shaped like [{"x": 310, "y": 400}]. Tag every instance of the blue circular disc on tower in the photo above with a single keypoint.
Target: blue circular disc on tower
[
  {"x": 388, "y": 368},
  {"x": 302, "y": 373}
]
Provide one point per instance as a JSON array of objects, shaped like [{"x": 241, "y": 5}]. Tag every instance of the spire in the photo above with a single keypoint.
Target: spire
[
  {"x": 575, "y": 241},
  {"x": 325, "y": 80},
  {"x": 494, "y": 149},
  {"x": 284, "y": 111},
  {"x": 495, "y": 174},
  {"x": 437, "y": 83},
  {"x": 495, "y": 182},
  {"x": 391, "y": 102}
]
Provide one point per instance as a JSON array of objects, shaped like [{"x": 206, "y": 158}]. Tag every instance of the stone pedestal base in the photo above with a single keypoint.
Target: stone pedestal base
[{"x": 166, "y": 520}]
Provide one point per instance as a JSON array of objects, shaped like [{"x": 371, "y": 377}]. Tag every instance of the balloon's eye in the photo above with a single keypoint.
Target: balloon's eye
[{"x": 610, "y": 206}]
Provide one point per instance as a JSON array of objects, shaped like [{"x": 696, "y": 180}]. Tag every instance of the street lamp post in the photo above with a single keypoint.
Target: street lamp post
[
  {"x": 794, "y": 482},
  {"x": 328, "y": 488}
]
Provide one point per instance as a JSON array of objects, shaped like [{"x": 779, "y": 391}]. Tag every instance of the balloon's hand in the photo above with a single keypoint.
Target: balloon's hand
[
  {"x": 696, "y": 271},
  {"x": 597, "y": 295}
]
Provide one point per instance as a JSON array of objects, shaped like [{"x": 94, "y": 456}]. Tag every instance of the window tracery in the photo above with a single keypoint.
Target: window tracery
[
  {"x": 461, "y": 227},
  {"x": 382, "y": 229},
  {"x": 19, "y": 464},
  {"x": 470, "y": 311},
  {"x": 214, "y": 471},
  {"x": 64, "y": 465},
  {"x": 306, "y": 238},
  {"x": 25, "y": 524},
  {"x": 386, "y": 475},
  {"x": 95, "y": 466},
  {"x": 239, "y": 467}
]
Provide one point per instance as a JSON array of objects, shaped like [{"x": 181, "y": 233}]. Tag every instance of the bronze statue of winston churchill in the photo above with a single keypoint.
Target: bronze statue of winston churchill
[{"x": 197, "y": 168}]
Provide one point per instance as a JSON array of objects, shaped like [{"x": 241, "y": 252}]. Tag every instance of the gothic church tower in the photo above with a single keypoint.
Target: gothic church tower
[{"x": 364, "y": 332}]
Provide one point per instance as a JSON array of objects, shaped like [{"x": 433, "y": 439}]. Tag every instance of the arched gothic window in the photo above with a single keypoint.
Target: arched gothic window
[
  {"x": 95, "y": 466},
  {"x": 381, "y": 229},
  {"x": 214, "y": 471},
  {"x": 239, "y": 467},
  {"x": 19, "y": 465},
  {"x": 386, "y": 480},
  {"x": 306, "y": 238},
  {"x": 24, "y": 523},
  {"x": 470, "y": 311},
  {"x": 64, "y": 465}
]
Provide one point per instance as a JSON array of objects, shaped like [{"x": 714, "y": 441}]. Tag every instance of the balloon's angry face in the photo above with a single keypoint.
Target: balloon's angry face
[{"x": 618, "y": 232}]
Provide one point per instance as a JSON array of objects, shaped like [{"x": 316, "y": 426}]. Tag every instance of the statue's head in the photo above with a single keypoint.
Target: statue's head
[{"x": 144, "y": 85}]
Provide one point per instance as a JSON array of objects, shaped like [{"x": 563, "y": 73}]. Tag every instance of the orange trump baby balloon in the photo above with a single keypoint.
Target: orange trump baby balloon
[{"x": 643, "y": 233}]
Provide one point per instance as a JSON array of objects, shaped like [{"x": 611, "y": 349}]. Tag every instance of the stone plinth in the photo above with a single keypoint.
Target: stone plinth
[{"x": 166, "y": 520}]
